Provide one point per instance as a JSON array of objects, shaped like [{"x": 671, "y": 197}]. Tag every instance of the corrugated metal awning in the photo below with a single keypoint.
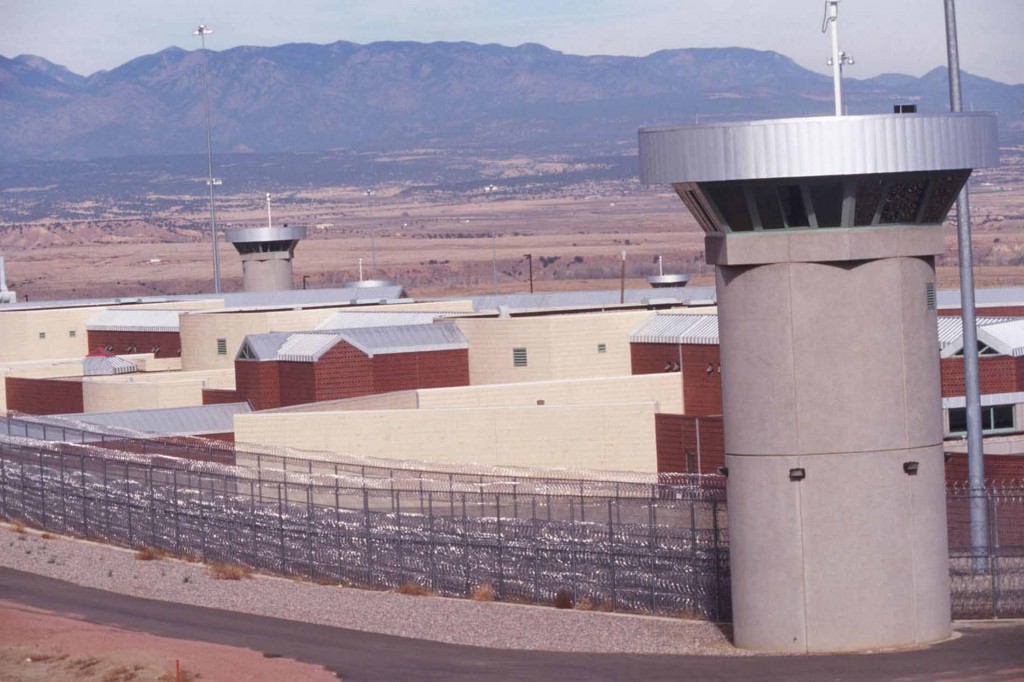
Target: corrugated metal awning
[
  {"x": 135, "y": 320},
  {"x": 417, "y": 338},
  {"x": 678, "y": 328},
  {"x": 355, "y": 319}
]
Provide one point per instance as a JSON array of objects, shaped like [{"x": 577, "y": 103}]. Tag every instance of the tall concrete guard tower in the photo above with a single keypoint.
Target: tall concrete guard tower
[{"x": 824, "y": 232}]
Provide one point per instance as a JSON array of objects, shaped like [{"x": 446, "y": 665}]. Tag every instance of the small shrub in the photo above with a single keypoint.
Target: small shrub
[
  {"x": 46, "y": 536},
  {"x": 221, "y": 571},
  {"x": 413, "y": 590},
  {"x": 149, "y": 554},
  {"x": 563, "y": 599},
  {"x": 585, "y": 604},
  {"x": 484, "y": 592},
  {"x": 18, "y": 527}
]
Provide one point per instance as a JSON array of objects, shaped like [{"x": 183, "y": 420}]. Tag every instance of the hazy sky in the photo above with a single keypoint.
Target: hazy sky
[{"x": 904, "y": 36}]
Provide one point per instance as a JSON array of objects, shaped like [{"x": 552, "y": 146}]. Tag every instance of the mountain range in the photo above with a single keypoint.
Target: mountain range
[{"x": 407, "y": 95}]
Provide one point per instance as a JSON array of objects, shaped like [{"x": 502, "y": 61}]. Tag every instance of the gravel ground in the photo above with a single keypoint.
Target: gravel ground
[{"x": 456, "y": 621}]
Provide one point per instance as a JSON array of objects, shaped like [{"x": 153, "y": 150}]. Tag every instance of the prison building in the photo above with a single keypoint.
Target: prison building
[
  {"x": 687, "y": 345},
  {"x": 130, "y": 331},
  {"x": 282, "y": 368}
]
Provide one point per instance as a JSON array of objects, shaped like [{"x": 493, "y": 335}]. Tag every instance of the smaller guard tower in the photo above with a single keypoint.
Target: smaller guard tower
[
  {"x": 267, "y": 254},
  {"x": 6, "y": 295}
]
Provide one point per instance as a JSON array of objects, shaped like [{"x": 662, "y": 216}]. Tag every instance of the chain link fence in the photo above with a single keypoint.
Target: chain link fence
[
  {"x": 654, "y": 549},
  {"x": 643, "y": 542}
]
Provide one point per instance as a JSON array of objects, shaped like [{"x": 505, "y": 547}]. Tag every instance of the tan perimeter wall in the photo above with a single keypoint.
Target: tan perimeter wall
[
  {"x": 663, "y": 389},
  {"x": 151, "y": 391},
  {"x": 200, "y": 331},
  {"x": 557, "y": 346},
  {"x": 609, "y": 437}
]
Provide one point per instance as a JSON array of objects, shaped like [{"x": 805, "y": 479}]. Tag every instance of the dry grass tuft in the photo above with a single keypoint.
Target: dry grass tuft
[
  {"x": 46, "y": 536},
  {"x": 123, "y": 674},
  {"x": 221, "y": 571},
  {"x": 563, "y": 599},
  {"x": 149, "y": 554},
  {"x": 484, "y": 592},
  {"x": 18, "y": 527},
  {"x": 183, "y": 676},
  {"x": 414, "y": 590}
]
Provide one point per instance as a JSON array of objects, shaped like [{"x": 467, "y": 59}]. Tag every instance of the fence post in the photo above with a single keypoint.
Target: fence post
[
  {"x": 106, "y": 498},
  {"x": 992, "y": 494},
  {"x": 85, "y": 498},
  {"x": 398, "y": 523},
  {"x": 310, "y": 523},
  {"x": 177, "y": 519},
  {"x": 432, "y": 540},
  {"x": 369, "y": 535},
  {"x": 501, "y": 540},
  {"x": 280, "y": 526},
  {"x": 202, "y": 519},
  {"x": 465, "y": 542},
  {"x": 611, "y": 554},
  {"x": 650, "y": 547},
  {"x": 63, "y": 492},
  {"x": 253, "y": 530},
  {"x": 152, "y": 504},
  {"x": 42, "y": 489},
  {"x": 718, "y": 560}
]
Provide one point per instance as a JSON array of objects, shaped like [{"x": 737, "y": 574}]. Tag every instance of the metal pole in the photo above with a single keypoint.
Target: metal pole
[
  {"x": 201, "y": 32},
  {"x": 622, "y": 280},
  {"x": 972, "y": 389},
  {"x": 494, "y": 260},
  {"x": 837, "y": 63}
]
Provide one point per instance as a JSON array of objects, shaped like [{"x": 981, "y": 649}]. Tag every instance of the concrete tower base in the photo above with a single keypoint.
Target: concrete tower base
[
  {"x": 831, "y": 392},
  {"x": 267, "y": 271}
]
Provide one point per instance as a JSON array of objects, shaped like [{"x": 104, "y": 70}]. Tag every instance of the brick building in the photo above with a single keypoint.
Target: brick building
[
  {"x": 282, "y": 368},
  {"x": 693, "y": 441},
  {"x": 131, "y": 331}
]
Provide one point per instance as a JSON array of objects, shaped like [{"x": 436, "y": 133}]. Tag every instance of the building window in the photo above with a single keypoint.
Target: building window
[
  {"x": 42, "y": 335},
  {"x": 519, "y": 357},
  {"x": 222, "y": 346},
  {"x": 602, "y": 348},
  {"x": 72, "y": 334},
  {"x": 994, "y": 419}
]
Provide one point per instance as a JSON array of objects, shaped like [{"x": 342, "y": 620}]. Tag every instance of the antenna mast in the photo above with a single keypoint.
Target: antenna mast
[{"x": 838, "y": 58}]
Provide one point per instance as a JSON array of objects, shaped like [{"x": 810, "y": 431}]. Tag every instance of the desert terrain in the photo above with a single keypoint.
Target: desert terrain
[{"x": 435, "y": 240}]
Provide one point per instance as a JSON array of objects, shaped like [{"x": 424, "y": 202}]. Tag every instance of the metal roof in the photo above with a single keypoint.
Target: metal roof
[
  {"x": 310, "y": 346},
  {"x": 951, "y": 336},
  {"x": 818, "y": 146},
  {"x": 406, "y": 339},
  {"x": 352, "y": 319},
  {"x": 177, "y": 421},
  {"x": 135, "y": 320},
  {"x": 261, "y": 347},
  {"x": 678, "y": 328},
  {"x": 264, "y": 234},
  {"x": 105, "y": 365},
  {"x": 307, "y": 346},
  {"x": 1005, "y": 337},
  {"x": 593, "y": 299}
]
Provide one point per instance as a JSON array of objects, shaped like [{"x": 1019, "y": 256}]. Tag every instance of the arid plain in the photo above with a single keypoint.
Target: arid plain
[{"x": 434, "y": 242}]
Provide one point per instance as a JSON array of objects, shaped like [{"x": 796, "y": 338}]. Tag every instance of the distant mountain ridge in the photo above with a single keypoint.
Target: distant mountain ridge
[{"x": 396, "y": 95}]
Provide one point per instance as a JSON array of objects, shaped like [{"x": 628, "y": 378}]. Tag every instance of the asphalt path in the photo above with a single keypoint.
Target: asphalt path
[{"x": 983, "y": 652}]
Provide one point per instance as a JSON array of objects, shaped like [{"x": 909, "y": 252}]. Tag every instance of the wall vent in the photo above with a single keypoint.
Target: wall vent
[
  {"x": 929, "y": 295},
  {"x": 519, "y": 357}
]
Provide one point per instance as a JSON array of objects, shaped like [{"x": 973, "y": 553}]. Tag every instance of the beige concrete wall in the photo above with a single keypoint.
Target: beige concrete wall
[
  {"x": 20, "y": 333},
  {"x": 558, "y": 346},
  {"x": 663, "y": 389},
  {"x": 609, "y": 437},
  {"x": 150, "y": 391},
  {"x": 200, "y": 331}
]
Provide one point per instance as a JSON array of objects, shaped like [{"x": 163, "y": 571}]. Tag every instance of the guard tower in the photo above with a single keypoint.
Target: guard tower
[
  {"x": 824, "y": 232},
  {"x": 6, "y": 295},
  {"x": 267, "y": 254}
]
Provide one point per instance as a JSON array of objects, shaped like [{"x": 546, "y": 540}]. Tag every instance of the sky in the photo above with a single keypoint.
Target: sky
[{"x": 883, "y": 36}]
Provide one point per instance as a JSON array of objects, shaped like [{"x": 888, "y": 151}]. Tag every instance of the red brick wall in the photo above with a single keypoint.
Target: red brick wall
[
  {"x": 44, "y": 396},
  {"x": 144, "y": 342},
  {"x": 651, "y": 358},
  {"x": 997, "y": 374},
  {"x": 343, "y": 372},
  {"x": 702, "y": 391},
  {"x": 431, "y": 369},
  {"x": 988, "y": 311},
  {"x": 259, "y": 383},
  {"x": 216, "y": 396},
  {"x": 997, "y": 468},
  {"x": 298, "y": 382},
  {"x": 676, "y": 434}
]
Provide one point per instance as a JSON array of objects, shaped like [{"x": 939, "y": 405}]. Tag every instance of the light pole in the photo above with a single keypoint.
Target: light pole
[
  {"x": 972, "y": 388},
  {"x": 202, "y": 32}
]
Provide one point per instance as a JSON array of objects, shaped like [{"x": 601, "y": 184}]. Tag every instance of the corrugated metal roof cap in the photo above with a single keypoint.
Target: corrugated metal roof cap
[
  {"x": 678, "y": 328},
  {"x": 135, "y": 320}
]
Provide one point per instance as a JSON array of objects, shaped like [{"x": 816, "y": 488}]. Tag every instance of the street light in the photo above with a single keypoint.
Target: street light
[{"x": 203, "y": 31}]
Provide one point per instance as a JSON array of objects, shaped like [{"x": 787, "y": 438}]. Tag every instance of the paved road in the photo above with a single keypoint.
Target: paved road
[{"x": 984, "y": 652}]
